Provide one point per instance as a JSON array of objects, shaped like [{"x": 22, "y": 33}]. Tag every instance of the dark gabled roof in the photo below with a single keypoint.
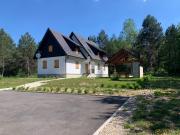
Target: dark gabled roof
[
  {"x": 87, "y": 45},
  {"x": 61, "y": 40},
  {"x": 123, "y": 56},
  {"x": 93, "y": 44}
]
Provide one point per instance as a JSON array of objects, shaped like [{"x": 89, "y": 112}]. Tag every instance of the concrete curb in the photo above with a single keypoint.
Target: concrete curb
[
  {"x": 97, "y": 132},
  {"x": 4, "y": 89}
]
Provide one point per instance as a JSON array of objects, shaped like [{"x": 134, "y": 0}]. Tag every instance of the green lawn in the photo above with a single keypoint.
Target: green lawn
[
  {"x": 158, "y": 113},
  {"x": 7, "y": 82},
  {"x": 90, "y": 83},
  {"x": 89, "y": 86}
]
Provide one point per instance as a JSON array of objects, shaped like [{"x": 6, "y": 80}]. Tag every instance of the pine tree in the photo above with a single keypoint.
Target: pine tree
[
  {"x": 148, "y": 41},
  {"x": 27, "y": 48},
  {"x": 7, "y": 48}
]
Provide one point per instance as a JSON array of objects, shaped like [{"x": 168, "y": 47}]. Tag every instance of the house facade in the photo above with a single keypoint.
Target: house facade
[{"x": 70, "y": 57}]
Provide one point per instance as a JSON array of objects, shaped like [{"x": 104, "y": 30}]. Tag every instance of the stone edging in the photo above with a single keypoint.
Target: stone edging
[
  {"x": 3, "y": 89},
  {"x": 115, "y": 124}
]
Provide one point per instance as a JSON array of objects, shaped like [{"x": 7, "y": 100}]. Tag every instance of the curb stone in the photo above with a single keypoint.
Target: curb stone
[
  {"x": 115, "y": 124},
  {"x": 4, "y": 89}
]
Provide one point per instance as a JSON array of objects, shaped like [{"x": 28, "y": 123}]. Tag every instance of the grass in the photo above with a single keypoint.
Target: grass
[
  {"x": 89, "y": 86},
  {"x": 158, "y": 114},
  {"x": 7, "y": 82}
]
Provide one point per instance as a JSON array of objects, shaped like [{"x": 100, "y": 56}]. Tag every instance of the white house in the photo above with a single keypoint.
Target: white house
[{"x": 73, "y": 56}]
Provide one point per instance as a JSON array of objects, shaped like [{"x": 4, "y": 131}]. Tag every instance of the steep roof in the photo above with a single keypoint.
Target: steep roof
[
  {"x": 87, "y": 45},
  {"x": 123, "y": 56},
  {"x": 66, "y": 47}
]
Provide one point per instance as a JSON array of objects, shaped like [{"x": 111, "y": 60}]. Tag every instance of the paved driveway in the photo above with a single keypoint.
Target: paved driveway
[{"x": 54, "y": 114}]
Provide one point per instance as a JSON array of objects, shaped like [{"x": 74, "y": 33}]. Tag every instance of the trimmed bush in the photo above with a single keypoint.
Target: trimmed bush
[
  {"x": 115, "y": 78},
  {"x": 79, "y": 91},
  {"x": 102, "y": 85}
]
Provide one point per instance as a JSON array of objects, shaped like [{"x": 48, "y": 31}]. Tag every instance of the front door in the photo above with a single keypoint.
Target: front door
[{"x": 87, "y": 68}]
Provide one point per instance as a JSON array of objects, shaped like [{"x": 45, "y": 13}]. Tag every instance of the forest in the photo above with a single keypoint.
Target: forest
[{"x": 158, "y": 48}]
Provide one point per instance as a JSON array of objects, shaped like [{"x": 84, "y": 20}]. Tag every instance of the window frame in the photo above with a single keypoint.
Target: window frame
[
  {"x": 44, "y": 64},
  {"x": 50, "y": 48},
  {"x": 56, "y": 63}
]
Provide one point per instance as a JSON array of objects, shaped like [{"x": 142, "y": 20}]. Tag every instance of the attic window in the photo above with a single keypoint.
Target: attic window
[
  {"x": 77, "y": 51},
  {"x": 98, "y": 54},
  {"x": 50, "y": 48}
]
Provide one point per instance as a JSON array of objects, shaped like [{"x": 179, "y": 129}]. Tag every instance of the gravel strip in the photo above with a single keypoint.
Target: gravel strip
[{"x": 116, "y": 125}]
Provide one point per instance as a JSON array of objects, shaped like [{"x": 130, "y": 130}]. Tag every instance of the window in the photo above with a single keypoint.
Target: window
[
  {"x": 44, "y": 64},
  {"x": 50, "y": 48},
  {"x": 98, "y": 54},
  {"x": 56, "y": 63},
  {"x": 104, "y": 67},
  {"x": 77, "y": 65},
  {"x": 77, "y": 51}
]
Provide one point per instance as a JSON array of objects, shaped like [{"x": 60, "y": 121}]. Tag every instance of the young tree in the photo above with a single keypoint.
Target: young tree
[
  {"x": 7, "y": 48},
  {"x": 129, "y": 32},
  {"x": 27, "y": 48},
  {"x": 148, "y": 41}
]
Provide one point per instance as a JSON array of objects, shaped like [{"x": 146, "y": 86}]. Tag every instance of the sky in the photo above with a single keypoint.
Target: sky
[{"x": 85, "y": 17}]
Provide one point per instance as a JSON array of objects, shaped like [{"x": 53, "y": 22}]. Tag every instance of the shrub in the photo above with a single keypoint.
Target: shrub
[
  {"x": 137, "y": 86},
  {"x": 145, "y": 81},
  {"x": 115, "y": 78},
  {"x": 115, "y": 85},
  {"x": 65, "y": 90},
  {"x": 109, "y": 86},
  {"x": 94, "y": 91},
  {"x": 130, "y": 86},
  {"x": 102, "y": 85},
  {"x": 110, "y": 92},
  {"x": 79, "y": 91},
  {"x": 85, "y": 91},
  {"x": 161, "y": 72},
  {"x": 123, "y": 86}
]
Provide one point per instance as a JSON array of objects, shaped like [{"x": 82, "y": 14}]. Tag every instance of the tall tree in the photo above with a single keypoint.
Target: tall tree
[
  {"x": 102, "y": 39},
  {"x": 27, "y": 48},
  {"x": 93, "y": 38},
  {"x": 129, "y": 32},
  {"x": 169, "y": 50},
  {"x": 148, "y": 41},
  {"x": 7, "y": 48}
]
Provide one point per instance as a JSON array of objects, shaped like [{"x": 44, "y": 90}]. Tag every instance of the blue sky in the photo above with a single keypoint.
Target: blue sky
[{"x": 86, "y": 17}]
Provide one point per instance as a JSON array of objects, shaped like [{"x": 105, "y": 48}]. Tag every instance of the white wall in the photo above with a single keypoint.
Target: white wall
[
  {"x": 71, "y": 66},
  {"x": 137, "y": 69},
  {"x": 67, "y": 66},
  {"x": 50, "y": 66},
  {"x": 103, "y": 72}
]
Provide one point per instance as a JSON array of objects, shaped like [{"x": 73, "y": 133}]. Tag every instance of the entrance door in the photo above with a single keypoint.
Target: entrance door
[{"x": 87, "y": 68}]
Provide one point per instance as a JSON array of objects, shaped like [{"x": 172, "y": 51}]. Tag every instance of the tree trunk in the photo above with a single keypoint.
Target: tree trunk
[
  {"x": 28, "y": 68},
  {"x": 3, "y": 67}
]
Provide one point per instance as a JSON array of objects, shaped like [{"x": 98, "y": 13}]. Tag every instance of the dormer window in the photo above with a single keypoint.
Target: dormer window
[
  {"x": 98, "y": 54},
  {"x": 77, "y": 51},
  {"x": 50, "y": 48}
]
